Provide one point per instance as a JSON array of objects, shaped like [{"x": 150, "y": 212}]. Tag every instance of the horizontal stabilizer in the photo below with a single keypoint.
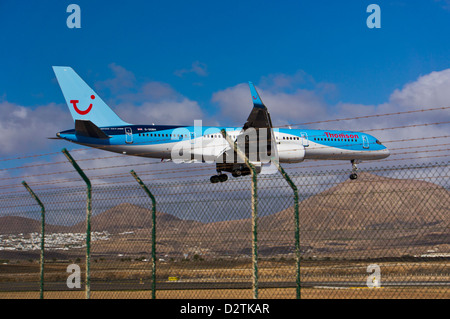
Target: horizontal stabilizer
[{"x": 88, "y": 129}]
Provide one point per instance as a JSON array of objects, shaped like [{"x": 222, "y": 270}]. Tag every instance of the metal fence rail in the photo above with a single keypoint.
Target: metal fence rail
[{"x": 385, "y": 235}]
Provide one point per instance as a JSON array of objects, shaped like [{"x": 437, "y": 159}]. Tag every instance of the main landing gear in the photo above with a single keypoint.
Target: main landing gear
[
  {"x": 354, "y": 175},
  {"x": 219, "y": 178},
  {"x": 236, "y": 170}
]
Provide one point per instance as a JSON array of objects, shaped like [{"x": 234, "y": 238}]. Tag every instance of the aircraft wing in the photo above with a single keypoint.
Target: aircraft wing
[
  {"x": 258, "y": 125},
  {"x": 256, "y": 140}
]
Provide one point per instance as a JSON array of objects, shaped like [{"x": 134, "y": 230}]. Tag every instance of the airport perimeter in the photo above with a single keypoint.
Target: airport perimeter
[{"x": 384, "y": 235}]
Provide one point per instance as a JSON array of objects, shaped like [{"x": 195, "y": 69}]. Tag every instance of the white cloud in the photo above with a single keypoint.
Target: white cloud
[
  {"x": 25, "y": 130},
  {"x": 288, "y": 102},
  {"x": 149, "y": 102},
  {"x": 197, "y": 67},
  {"x": 122, "y": 80},
  {"x": 175, "y": 112},
  {"x": 428, "y": 91}
]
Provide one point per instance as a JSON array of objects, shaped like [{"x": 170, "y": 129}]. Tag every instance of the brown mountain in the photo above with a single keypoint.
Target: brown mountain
[
  {"x": 371, "y": 202},
  {"x": 127, "y": 217},
  {"x": 369, "y": 217},
  {"x": 372, "y": 216},
  {"x": 17, "y": 225}
]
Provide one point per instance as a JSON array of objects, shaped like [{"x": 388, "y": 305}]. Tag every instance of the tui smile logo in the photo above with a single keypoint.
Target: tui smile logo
[{"x": 75, "y": 102}]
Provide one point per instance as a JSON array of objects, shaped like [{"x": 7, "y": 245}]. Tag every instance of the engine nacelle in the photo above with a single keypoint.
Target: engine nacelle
[{"x": 291, "y": 152}]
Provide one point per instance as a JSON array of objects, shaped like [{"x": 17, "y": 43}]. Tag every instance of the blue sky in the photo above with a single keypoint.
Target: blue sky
[
  {"x": 238, "y": 41},
  {"x": 172, "y": 61}
]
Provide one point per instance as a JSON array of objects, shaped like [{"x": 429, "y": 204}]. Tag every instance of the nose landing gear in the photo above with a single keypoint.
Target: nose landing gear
[{"x": 354, "y": 174}]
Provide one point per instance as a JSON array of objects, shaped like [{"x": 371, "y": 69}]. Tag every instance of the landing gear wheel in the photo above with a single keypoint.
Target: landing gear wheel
[
  {"x": 353, "y": 176},
  {"x": 214, "y": 179},
  {"x": 218, "y": 178},
  {"x": 236, "y": 173}
]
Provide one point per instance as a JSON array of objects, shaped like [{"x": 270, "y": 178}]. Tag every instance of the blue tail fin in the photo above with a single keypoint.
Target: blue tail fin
[{"x": 83, "y": 102}]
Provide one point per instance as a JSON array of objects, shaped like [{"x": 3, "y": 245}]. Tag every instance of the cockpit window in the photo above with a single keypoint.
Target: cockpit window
[{"x": 378, "y": 142}]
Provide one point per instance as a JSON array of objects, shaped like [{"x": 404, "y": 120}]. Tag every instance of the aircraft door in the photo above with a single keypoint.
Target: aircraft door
[
  {"x": 128, "y": 135},
  {"x": 365, "y": 141},
  {"x": 305, "y": 141}
]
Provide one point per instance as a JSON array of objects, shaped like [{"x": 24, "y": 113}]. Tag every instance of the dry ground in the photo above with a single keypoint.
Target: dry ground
[
  {"x": 270, "y": 271},
  {"x": 289, "y": 293}
]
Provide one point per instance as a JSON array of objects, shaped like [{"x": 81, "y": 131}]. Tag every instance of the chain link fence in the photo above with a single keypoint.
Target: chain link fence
[{"x": 384, "y": 235}]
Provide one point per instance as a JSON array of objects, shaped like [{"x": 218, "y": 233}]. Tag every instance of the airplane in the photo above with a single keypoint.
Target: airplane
[{"x": 98, "y": 126}]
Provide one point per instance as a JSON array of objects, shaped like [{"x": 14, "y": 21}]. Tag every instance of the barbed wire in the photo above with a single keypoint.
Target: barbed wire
[
  {"x": 81, "y": 191},
  {"x": 215, "y": 146},
  {"x": 366, "y": 116},
  {"x": 190, "y": 170},
  {"x": 62, "y": 181},
  {"x": 184, "y": 169},
  {"x": 287, "y": 125}
]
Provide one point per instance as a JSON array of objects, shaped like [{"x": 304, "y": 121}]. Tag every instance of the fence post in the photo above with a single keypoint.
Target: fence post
[
  {"x": 41, "y": 284},
  {"x": 88, "y": 220},
  {"x": 254, "y": 211},
  {"x": 153, "y": 230},
  {"x": 297, "y": 225}
]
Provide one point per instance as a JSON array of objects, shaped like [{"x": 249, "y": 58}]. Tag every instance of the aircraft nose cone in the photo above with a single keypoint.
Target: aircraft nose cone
[{"x": 386, "y": 152}]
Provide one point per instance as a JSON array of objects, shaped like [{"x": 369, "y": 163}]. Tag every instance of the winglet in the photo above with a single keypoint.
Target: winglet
[{"x": 257, "y": 102}]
